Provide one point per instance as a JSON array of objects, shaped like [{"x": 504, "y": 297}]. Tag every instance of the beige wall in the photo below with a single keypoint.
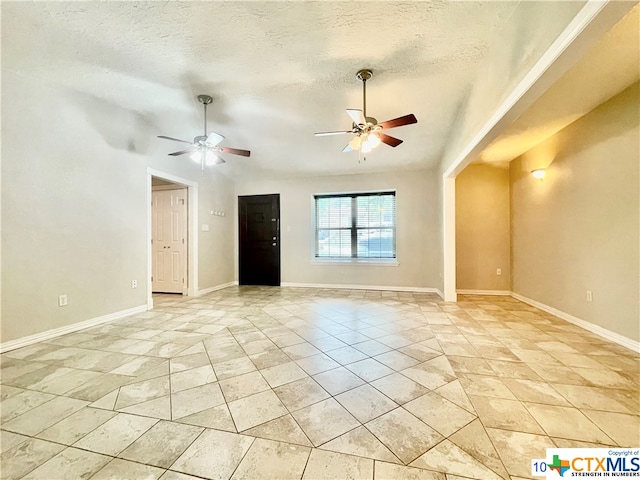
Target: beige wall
[
  {"x": 532, "y": 28},
  {"x": 418, "y": 229},
  {"x": 74, "y": 208},
  {"x": 482, "y": 228},
  {"x": 578, "y": 229}
]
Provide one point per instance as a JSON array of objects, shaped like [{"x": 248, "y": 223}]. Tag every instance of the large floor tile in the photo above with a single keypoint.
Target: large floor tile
[
  {"x": 365, "y": 403},
  {"x": 399, "y": 388},
  {"x": 43, "y": 416},
  {"x": 282, "y": 374},
  {"x": 390, "y": 471},
  {"x": 325, "y": 465},
  {"x": 475, "y": 441},
  {"x": 70, "y": 463},
  {"x": 22, "y": 402},
  {"x": 162, "y": 444},
  {"x": 142, "y": 391},
  {"x": 117, "y": 469},
  {"x": 191, "y": 378},
  {"x": 9, "y": 440},
  {"x": 362, "y": 443},
  {"x": 282, "y": 429},
  {"x": 303, "y": 367},
  {"x": 116, "y": 434},
  {"x": 567, "y": 422},
  {"x": 214, "y": 455},
  {"x": 624, "y": 429},
  {"x": 243, "y": 385},
  {"x": 256, "y": 409},
  {"x": 505, "y": 414},
  {"x": 446, "y": 457},
  {"x": 593, "y": 398},
  {"x": 26, "y": 456},
  {"x": 405, "y": 435},
  {"x": 324, "y": 421},
  {"x": 439, "y": 413},
  {"x": 301, "y": 393},
  {"x": 270, "y": 460},
  {"x": 194, "y": 400},
  {"x": 516, "y": 449},
  {"x": 76, "y": 426},
  {"x": 338, "y": 380}
]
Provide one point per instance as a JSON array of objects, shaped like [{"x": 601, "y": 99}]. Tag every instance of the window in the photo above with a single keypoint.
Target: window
[{"x": 356, "y": 225}]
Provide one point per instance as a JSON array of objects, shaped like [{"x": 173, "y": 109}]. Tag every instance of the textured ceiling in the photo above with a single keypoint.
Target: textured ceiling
[
  {"x": 610, "y": 66},
  {"x": 278, "y": 71}
]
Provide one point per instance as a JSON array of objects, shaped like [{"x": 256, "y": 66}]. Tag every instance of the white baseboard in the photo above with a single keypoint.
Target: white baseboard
[
  {"x": 592, "y": 327},
  {"x": 74, "y": 327},
  {"x": 483, "y": 292},
  {"x": 361, "y": 287},
  {"x": 215, "y": 288}
]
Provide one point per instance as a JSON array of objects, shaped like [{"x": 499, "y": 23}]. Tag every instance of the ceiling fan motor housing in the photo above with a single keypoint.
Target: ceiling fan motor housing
[{"x": 364, "y": 75}]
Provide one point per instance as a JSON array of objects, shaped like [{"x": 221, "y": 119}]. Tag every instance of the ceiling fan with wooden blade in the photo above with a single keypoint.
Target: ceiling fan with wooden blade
[
  {"x": 204, "y": 148},
  {"x": 367, "y": 130}
]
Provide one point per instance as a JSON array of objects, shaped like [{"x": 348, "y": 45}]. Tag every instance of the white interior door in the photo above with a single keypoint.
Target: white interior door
[{"x": 169, "y": 242}]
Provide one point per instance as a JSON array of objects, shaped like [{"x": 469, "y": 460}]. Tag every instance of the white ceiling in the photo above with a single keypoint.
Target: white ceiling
[
  {"x": 278, "y": 71},
  {"x": 606, "y": 69}
]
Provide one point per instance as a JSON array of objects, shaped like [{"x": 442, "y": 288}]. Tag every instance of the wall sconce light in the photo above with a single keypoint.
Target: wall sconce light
[{"x": 539, "y": 173}]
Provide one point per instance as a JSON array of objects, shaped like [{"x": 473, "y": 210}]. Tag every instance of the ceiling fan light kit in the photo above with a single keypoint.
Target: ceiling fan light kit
[
  {"x": 367, "y": 130},
  {"x": 204, "y": 149}
]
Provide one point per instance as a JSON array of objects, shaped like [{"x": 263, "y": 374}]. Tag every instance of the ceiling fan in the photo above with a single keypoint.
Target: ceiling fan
[
  {"x": 204, "y": 148},
  {"x": 367, "y": 130}
]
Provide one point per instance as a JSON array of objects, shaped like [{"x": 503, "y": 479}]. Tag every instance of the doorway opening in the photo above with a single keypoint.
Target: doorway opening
[
  {"x": 172, "y": 239},
  {"x": 259, "y": 239}
]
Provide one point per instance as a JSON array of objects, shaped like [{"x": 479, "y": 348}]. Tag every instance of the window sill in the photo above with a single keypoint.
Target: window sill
[{"x": 379, "y": 262}]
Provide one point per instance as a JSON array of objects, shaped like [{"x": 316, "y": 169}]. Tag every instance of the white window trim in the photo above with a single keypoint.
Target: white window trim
[
  {"x": 341, "y": 261},
  {"x": 378, "y": 262}
]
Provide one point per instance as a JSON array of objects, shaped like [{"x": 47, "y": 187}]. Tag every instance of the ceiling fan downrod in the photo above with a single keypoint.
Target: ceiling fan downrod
[
  {"x": 364, "y": 75},
  {"x": 205, "y": 100}
]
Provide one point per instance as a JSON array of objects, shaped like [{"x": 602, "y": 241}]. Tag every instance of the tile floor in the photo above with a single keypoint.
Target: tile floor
[{"x": 280, "y": 383}]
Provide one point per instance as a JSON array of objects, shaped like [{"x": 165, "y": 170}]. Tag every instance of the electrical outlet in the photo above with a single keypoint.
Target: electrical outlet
[
  {"x": 589, "y": 296},
  {"x": 63, "y": 301},
  {"x": 498, "y": 271},
  {"x": 134, "y": 283}
]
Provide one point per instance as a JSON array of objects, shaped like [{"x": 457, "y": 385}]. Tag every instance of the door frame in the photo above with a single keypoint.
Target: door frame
[
  {"x": 192, "y": 231},
  {"x": 279, "y": 233},
  {"x": 174, "y": 187}
]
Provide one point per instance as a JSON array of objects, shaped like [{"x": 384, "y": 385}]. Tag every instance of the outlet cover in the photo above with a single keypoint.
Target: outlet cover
[
  {"x": 589, "y": 296},
  {"x": 63, "y": 301}
]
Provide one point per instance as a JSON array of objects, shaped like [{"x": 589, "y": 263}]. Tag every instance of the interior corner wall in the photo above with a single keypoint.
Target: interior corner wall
[
  {"x": 74, "y": 208},
  {"x": 530, "y": 31},
  {"x": 579, "y": 228},
  {"x": 483, "y": 228},
  {"x": 418, "y": 229}
]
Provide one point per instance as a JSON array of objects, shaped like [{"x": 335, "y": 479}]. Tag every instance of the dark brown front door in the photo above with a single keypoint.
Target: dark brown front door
[{"x": 259, "y": 223}]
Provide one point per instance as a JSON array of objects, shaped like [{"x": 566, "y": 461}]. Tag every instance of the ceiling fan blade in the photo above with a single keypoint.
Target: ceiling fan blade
[
  {"x": 357, "y": 116},
  {"x": 174, "y": 139},
  {"x": 236, "y": 151},
  {"x": 213, "y": 139},
  {"x": 323, "y": 134},
  {"x": 400, "y": 121},
  {"x": 389, "y": 140},
  {"x": 181, "y": 152}
]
